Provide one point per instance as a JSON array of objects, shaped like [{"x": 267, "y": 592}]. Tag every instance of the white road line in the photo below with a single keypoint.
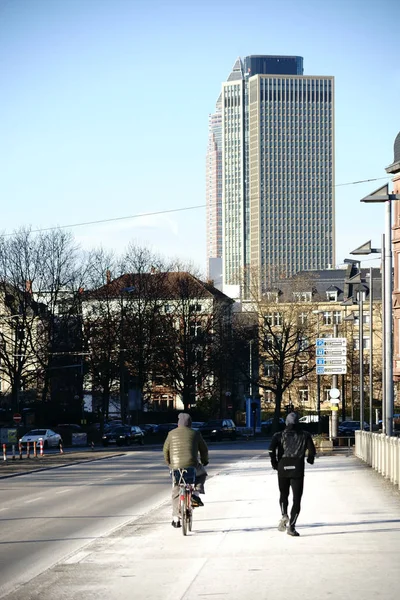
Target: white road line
[
  {"x": 64, "y": 491},
  {"x": 4, "y": 508},
  {"x": 33, "y": 500}
]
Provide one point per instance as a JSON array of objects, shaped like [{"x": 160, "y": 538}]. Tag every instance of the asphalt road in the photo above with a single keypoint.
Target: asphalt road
[{"x": 48, "y": 515}]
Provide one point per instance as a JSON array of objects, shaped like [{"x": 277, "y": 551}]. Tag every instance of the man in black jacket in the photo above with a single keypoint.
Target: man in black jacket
[{"x": 287, "y": 451}]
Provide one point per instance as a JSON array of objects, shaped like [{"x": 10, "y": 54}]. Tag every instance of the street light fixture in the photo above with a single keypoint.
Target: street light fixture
[
  {"x": 381, "y": 195},
  {"x": 356, "y": 280},
  {"x": 366, "y": 249}
]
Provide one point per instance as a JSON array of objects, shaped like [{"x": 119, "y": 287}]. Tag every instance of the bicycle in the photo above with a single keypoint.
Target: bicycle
[{"x": 185, "y": 478}]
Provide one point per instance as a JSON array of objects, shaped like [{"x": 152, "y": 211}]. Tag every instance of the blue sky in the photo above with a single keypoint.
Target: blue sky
[{"x": 104, "y": 108}]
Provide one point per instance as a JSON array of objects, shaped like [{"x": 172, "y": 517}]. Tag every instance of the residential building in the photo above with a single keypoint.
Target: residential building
[
  {"x": 321, "y": 302},
  {"x": 277, "y": 170},
  {"x": 153, "y": 340}
]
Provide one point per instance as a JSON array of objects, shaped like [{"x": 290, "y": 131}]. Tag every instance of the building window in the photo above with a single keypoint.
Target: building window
[
  {"x": 366, "y": 343},
  {"x": 337, "y": 317},
  {"x": 303, "y": 370},
  {"x": 327, "y": 318},
  {"x": 271, "y": 296},
  {"x": 273, "y": 319},
  {"x": 326, "y": 395},
  {"x": 332, "y": 296},
  {"x": 195, "y": 308},
  {"x": 303, "y": 344},
  {"x": 269, "y": 369},
  {"x": 303, "y": 395},
  {"x": 302, "y": 296},
  {"x": 268, "y": 396}
]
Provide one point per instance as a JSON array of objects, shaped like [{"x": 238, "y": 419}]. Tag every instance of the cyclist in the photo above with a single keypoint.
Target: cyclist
[
  {"x": 181, "y": 450},
  {"x": 287, "y": 451}
]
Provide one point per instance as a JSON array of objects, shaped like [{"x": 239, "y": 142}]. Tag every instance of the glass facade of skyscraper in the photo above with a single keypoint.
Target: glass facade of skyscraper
[{"x": 277, "y": 169}]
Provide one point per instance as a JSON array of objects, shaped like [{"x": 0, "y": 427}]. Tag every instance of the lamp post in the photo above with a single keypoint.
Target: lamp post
[
  {"x": 122, "y": 368},
  {"x": 382, "y": 195},
  {"x": 366, "y": 249},
  {"x": 251, "y": 369},
  {"x": 356, "y": 280}
]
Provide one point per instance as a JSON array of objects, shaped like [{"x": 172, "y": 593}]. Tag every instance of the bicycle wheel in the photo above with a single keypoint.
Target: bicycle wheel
[
  {"x": 190, "y": 517},
  {"x": 184, "y": 514}
]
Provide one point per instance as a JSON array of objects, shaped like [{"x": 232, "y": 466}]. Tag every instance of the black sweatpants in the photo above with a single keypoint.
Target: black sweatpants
[{"x": 297, "y": 484}]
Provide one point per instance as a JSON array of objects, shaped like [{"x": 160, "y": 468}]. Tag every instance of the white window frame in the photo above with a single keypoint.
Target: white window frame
[
  {"x": 268, "y": 396},
  {"x": 302, "y": 296},
  {"x": 304, "y": 395},
  {"x": 332, "y": 296}
]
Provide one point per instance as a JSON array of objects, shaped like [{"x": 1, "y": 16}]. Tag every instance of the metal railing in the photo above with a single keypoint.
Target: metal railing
[{"x": 381, "y": 452}]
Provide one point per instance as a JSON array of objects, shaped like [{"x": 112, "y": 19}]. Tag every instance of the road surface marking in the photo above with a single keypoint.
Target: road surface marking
[{"x": 33, "y": 500}]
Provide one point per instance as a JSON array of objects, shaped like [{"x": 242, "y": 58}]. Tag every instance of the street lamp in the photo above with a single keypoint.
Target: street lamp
[
  {"x": 366, "y": 249},
  {"x": 382, "y": 195},
  {"x": 356, "y": 280},
  {"x": 122, "y": 369}
]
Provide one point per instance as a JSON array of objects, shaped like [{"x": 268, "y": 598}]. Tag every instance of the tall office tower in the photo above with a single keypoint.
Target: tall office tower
[
  {"x": 277, "y": 170},
  {"x": 214, "y": 195}
]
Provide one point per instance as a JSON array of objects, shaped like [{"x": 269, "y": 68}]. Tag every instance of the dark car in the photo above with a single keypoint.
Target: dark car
[
  {"x": 219, "y": 429},
  {"x": 349, "y": 427},
  {"x": 123, "y": 436},
  {"x": 148, "y": 427},
  {"x": 166, "y": 427}
]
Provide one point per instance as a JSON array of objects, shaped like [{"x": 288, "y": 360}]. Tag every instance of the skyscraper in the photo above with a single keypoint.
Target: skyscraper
[
  {"x": 214, "y": 193},
  {"x": 277, "y": 171}
]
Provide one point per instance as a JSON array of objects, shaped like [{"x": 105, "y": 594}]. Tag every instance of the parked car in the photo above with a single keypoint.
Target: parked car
[
  {"x": 219, "y": 429},
  {"x": 123, "y": 435},
  {"x": 148, "y": 427},
  {"x": 269, "y": 422},
  {"x": 197, "y": 424},
  {"x": 166, "y": 427},
  {"x": 50, "y": 438},
  {"x": 349, "y": 427}
]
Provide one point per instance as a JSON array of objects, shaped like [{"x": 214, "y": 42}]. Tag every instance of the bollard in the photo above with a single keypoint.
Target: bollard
[
  {"x": 20, "y": 449},
  {"x": 28, "y": 451},
  {"x": 13, "y": 451},
  {"x": 41, "y": 446},
  {"x": 35, "y": 449},
  {"x": 92, "y": 445},
  {"x": 61, "y": 448},
  {"x": 4, "y": 452}
]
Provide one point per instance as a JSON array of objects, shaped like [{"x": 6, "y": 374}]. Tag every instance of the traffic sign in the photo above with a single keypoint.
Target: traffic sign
[
  {"x": 337, "y": 360},
  {"x": 334, "y": 393},
  {"x": 17, "y": 418},
  {"x": 341, "y": 351},
  {"x": 331, "y": 370},
  {"x": 331, "y": 342}
]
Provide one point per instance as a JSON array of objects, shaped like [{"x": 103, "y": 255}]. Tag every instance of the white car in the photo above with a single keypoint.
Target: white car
[{"x": 49, "y": 437}]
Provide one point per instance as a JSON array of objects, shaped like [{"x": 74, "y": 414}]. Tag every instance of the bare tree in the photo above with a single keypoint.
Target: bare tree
[
  {"x": 282, "y": 337},
  {"x": 194, "y": 320},
  {"x": 34, "y": 270},
  {"x": 101, "y": 316}
]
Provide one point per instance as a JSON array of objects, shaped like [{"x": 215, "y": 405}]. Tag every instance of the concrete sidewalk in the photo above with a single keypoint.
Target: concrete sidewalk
[{"x": 349, "y": 546}]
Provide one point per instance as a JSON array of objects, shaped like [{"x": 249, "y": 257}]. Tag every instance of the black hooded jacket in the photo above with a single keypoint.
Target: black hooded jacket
[{"x": 288, "y": 449}]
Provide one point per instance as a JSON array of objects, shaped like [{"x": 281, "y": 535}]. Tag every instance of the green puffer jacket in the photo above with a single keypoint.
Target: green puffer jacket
[{"x": 182, "y": 446}]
